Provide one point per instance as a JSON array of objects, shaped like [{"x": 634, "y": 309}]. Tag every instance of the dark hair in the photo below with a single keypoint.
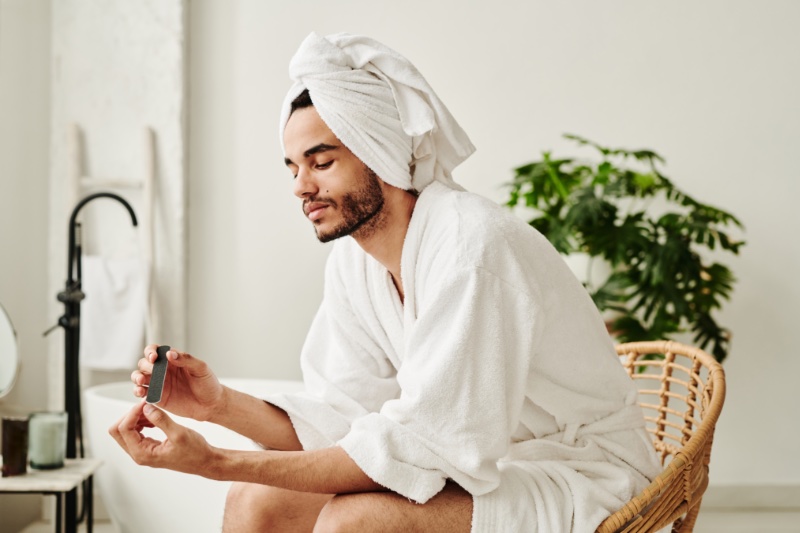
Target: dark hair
[{"x": 302, "y": 100}]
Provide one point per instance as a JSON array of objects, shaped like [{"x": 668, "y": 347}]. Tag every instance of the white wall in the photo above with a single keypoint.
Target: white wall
[
  {"x": 24, "y": 127},
  {"x": 119, "y": 69},
  {"x": 712, "y": 86},
  {"x": 24, "y": 133}
]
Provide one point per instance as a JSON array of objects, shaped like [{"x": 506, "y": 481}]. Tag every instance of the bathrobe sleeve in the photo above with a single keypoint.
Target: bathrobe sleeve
[{"x": 462, "y": 388}]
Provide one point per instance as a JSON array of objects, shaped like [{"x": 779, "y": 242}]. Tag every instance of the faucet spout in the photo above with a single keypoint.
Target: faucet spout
[{"x": 73, "y": 224}]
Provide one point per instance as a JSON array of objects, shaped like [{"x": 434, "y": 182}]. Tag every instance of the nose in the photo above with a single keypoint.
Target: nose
[{"x": 304, "y": 184}]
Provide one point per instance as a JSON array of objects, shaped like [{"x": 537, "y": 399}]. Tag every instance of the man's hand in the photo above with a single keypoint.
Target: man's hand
[
  {"x": 193, "y": 391},
  {"x": 190, "y": 389},
  {"x": 183, "y": 450},
  {"x": 326, "y": 471}
]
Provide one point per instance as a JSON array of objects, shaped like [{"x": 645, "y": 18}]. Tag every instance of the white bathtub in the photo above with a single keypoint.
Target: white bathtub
[{"x": 147, "y": 499}]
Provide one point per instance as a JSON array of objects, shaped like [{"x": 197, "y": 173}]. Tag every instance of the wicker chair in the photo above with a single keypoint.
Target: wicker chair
[{"x": 682, "y": 397}]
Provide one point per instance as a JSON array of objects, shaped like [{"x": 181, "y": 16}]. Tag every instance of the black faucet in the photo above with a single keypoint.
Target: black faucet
[{"x": 71, "y": 297}]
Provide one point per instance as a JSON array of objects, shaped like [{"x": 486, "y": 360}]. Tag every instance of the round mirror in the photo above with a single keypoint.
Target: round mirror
[{"x": 9, "y": 358}]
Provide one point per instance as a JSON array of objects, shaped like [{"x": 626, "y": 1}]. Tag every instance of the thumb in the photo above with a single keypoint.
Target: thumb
[
  {"x": 184, "y": 360},
  {"x": 159, "y": 418},
  {"x": 194, "y": 366}
]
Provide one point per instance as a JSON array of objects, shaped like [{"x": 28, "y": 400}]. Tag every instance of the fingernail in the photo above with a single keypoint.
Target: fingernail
[{"x": 148, "y": 409}]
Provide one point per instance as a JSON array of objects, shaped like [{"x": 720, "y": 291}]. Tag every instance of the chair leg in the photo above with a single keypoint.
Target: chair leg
[{"x": 686, "y": 524}]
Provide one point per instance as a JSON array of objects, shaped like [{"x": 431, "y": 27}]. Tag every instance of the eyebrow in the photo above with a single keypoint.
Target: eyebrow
[{"x": 318, "y": 149}]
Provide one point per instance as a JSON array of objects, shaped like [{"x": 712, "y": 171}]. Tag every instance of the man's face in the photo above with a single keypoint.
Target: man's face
[{"x": 341, "y": 196}]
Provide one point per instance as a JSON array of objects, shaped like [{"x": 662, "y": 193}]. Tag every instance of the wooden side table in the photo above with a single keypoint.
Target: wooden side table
[{"x": 58, "y": 482}]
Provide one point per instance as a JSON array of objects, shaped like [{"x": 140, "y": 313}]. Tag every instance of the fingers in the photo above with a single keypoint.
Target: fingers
[
  {"x": 141, "y": 377},
  {"x": 127, "y": 433},
  {"x": 159, "y": 419},
  {"x": 150, "y": 352},
  {"x": 144, "y": 366},
  {"x": 128, "y": 423},
  {"x": 141, "y": 380},
  {"x": 173, "y": 355},
  {"x": 139, "y": 391}
]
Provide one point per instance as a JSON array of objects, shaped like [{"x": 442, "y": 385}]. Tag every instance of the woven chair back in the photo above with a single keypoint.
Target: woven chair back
[{"x": 681, "y": 390}]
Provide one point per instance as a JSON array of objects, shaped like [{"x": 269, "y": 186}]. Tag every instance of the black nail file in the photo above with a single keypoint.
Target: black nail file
[{"x": 158, "y": 375}]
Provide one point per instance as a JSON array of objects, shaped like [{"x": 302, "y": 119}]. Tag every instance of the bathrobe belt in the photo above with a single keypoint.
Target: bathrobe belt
[{"x": 575, "y": 435}]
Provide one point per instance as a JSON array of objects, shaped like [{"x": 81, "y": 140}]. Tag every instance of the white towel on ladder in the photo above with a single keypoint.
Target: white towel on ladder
[{"x": 114, "y": 313}]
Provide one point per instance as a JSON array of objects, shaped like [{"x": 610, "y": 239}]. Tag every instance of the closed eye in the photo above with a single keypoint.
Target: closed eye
[{"x": 323, "y": 166}]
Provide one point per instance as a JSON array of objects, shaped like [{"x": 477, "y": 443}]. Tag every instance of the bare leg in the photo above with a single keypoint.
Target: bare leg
[
  {"x": 256, "y": 508},
  {"x": 386, "y": 512}
]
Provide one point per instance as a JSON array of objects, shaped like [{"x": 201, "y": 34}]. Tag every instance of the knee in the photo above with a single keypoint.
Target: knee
[
  {"x": 249, "y": 495},
  {"x": 344, "y": 514},
  {"x": 251, "y": 507}
]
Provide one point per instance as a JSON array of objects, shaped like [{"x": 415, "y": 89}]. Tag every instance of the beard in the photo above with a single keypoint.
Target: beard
[{"x": 360, "y": 210}]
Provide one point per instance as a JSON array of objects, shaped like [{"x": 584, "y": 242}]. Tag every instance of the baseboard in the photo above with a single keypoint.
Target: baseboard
[{"x": 753, "y": 497}]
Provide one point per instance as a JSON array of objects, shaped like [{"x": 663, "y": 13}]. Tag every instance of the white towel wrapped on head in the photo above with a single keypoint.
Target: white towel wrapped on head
[{"x": 379, "y": 105}]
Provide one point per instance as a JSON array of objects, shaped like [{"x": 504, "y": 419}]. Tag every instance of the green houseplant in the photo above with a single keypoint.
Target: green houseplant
[{"x": 621, "y": 209}]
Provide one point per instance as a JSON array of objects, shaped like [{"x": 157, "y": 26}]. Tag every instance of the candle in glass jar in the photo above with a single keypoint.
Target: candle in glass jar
[{"x": 47, "y": 440}]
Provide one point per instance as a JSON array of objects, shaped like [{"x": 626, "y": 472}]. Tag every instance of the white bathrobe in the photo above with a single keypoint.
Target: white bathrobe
[{"x": 496, "y": 372}]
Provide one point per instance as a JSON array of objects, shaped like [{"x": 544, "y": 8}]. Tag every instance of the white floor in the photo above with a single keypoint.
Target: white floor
[
  {"x": 709, "y": 521},
  {"x": 714, "y": 521}
]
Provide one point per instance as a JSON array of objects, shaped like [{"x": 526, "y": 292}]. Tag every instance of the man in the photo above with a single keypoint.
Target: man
[{"x": 458, "y": 376}]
